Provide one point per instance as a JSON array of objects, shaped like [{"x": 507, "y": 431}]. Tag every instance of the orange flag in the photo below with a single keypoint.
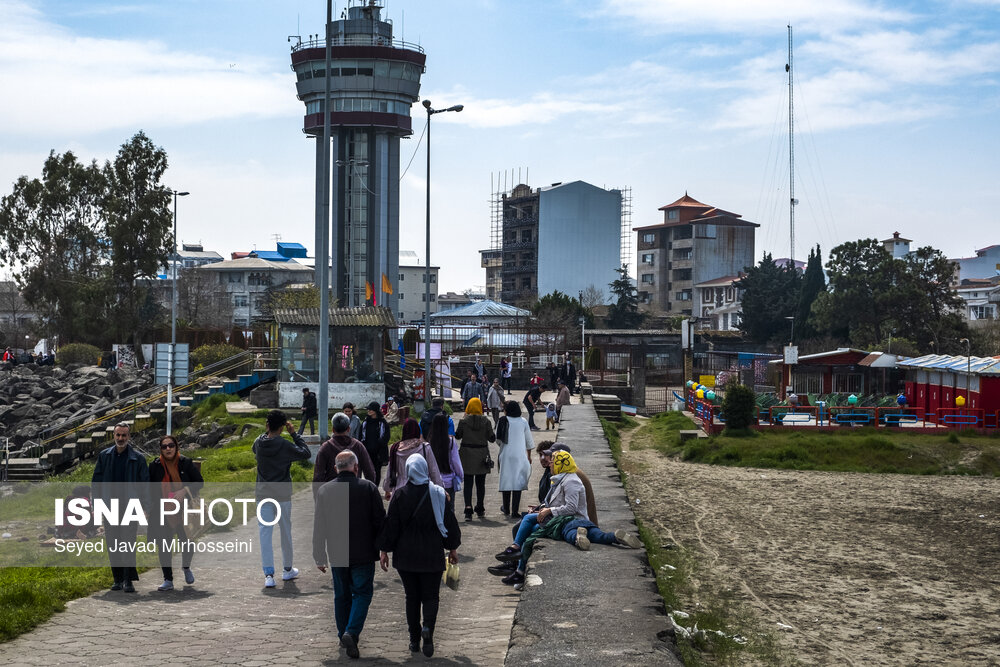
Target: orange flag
[
  {"x": 386, "y": 285},
  {"x": 369, "y": 291}
]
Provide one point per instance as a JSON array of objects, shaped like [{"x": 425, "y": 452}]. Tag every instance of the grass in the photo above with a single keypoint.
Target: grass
[
  {"x": 853, "y": 450},
  {"x": 30, "y": 595},
  {"x": 723, "y": 631}
]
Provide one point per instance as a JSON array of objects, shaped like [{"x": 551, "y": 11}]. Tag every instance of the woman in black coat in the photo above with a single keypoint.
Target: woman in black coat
[
  {"x": 172, "y": 476},
  {"x": 418, "y": 526},
  {"x": 375, "y": 436}
]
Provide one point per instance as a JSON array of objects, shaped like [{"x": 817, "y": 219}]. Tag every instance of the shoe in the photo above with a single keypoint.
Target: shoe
[
  {"x": 117, "y": 586},
  {"x": 509, "y": 555},
  {"x": 535, "y": 428},
  {"x": 188, "y": 576},
  {"x": 428, "y": 642},
  {"x": 128, "y": 587},
  {"x": 167, "y": 585},
  {"x": 269, "y": 581},
  {"x": 288, "y": 575},
  {"x": 514, "y": 577},
  {"x": 351, "y": 644},
  {"x": 481, "y": 512},
  {"x": 468, "y": 514},
  {"x": 582, "y": 542},
  {"x": 415, "y": 646},
  {"x": 502, "y": 570},
  {"x": 628, "y": 539},
  {"x": 504, "y": 511}
]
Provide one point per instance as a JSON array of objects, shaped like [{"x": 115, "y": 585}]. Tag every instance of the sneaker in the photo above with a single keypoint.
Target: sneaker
[
  {"x": 428, "y": 641},
  {"x": 269, "y": 581},
  {"x": 188, "y": 576},
  {"x": 468, "y": 514},
  {"x": 167, "y": 585},
  {"x": 351, "y": 644},
  {"x": 288, "y": 575},
  {"x": 627, "y": 539},
  {"x": 514, "y": 577},
  {"x": 509, "y": 555},
  {"x": 502, "y": 570},
  {"x": 582, "y": 541}
]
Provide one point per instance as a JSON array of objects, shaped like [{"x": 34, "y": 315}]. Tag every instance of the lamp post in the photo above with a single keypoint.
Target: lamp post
[
  {"x": 791, "y": 335},
  {"x": 968, "y": 369},
  {"x": 173, "y": 322},
  {"x": 427, "y": 255}
]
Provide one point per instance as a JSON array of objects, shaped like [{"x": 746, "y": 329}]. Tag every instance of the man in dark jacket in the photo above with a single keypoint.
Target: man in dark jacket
[
  {"x": 349, "y": 513},
  {"x": 567, "y": 373},
  {"x": 325, "y": 469},
  {"x": 427, "y": 418},
  {"x": 275, "y": 456},
  {"x": 121, "y": 473},
  {"x": 309, "y": 411},
  {"x": 531, "y": 402}
]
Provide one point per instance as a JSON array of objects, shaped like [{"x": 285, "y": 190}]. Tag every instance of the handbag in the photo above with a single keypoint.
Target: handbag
[
  {"x": 450, "y": 575},
  {"x": 489, "y": 463}
]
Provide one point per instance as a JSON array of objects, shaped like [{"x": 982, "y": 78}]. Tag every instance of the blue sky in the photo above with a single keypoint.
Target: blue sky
[{"x": 897, "y": 109}]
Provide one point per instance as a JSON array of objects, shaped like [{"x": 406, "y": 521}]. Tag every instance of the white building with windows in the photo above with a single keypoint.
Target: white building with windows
[
  {"x": 411, "y": 292},
  {"x": 718, "y": 304},
  {"x": 982, "y": 300},
  {"x": 247, "y": 281}
]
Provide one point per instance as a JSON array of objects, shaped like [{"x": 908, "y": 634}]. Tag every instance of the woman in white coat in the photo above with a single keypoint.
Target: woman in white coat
[{"x": 516, "y": 443}]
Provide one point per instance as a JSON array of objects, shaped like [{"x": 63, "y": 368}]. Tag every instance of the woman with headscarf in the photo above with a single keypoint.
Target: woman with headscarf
[
  {"x": 417, "y": 528},
  {"x": 172, "y": 476},
  {"x": 516, "y": 443},
  {"x": 476, "y": 433},
  {"x": 412, "y": 443},
  {"x": 446, "y": 456}
]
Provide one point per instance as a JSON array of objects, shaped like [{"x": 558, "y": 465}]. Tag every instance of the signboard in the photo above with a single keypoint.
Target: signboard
[
  {"x": 707, "y": 380},
  {"x": 791, "y": 354},
  {"x": 181, "y": 363},
  {"x": 435, "y": 351},
  {"x": 418, "y": 385}
]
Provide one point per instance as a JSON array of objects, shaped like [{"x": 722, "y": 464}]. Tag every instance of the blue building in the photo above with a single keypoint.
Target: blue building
[
  {"x": 374, "y": 79},
  {"x": 562, "y": 237}
]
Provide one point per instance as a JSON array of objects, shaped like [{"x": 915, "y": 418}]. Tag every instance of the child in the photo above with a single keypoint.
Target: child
[{"x": 550, "y": 416}]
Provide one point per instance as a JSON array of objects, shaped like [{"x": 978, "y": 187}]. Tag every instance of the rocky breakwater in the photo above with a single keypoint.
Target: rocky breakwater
[{"x": 35, "y": 399}]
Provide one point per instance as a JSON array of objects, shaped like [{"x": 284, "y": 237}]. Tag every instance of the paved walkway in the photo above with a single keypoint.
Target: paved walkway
[{"x": 228, "y": 617}]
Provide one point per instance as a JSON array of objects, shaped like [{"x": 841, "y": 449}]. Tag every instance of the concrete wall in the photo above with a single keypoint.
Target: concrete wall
[
  {"x": 579, "y": 236},
  {"x": 359, "y": 393}
]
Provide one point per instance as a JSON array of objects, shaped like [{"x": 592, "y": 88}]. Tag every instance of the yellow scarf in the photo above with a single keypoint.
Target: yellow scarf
[{"x": 563, "y": 462}]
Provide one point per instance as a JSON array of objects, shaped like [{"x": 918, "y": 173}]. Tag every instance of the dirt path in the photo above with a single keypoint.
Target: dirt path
[{"x": 849, "y": 569}]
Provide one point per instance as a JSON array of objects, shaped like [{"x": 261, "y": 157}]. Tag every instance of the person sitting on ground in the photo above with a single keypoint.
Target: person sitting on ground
[
  {"x": 411, "y": 443},
  {"x": 391, "y": 411},
  {"x": 325, "y": 469},
  {"x": 550, "y": 416},
  {"x": 563, "y": 516}
]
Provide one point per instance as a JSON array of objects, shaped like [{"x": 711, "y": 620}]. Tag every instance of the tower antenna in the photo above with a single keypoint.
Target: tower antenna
[{"x": 791, "y": 153}]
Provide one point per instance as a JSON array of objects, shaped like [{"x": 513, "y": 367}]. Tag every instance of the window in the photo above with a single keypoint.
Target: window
[
  {"x": 647, "y": 259},
  {"x": 807, "y": 383},
  {"x": 847, "y": 383},
  {"x": 381, "y": 68},
  {"x": 400, "y": 315},
  {"x": 400, "y": 276},
  {"x": 236, "y": 277},
  {"x": 673, "y": 215},
  {"x": 316, "y": 106},
  {"x": 682, "y": 232},
  {"x": 684, "y": 295},
  {"x": 729, "y": 294},
  {"x": 681, "y": 254},
  {"x": 240, "y": 301},
  {"x": 649, "y": 238},
  {"x": 400, "y": 296},
  {"x": 705, "y": 231},
  {"x": 682, "y": 274},
  {"x": 980, "y": 312},
  {"x": 526, "y": 283},
  {"x": 647, "y": 278},
  {"x": 525, "y": 236},
  {"x": 706, "y": 294}
]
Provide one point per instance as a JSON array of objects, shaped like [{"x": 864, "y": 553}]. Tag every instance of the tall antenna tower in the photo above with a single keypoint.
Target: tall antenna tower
[{"x": 791, "y": 152}]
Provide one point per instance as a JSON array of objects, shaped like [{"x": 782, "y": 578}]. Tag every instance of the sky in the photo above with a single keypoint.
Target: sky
[{"x": 896, "y": 106}]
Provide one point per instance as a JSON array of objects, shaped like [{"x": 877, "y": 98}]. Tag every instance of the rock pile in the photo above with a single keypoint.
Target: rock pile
[{"x": 34, "y": 399}]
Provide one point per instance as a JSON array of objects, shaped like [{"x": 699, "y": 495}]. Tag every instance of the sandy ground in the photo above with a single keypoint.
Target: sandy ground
[{"x": 848, "y": 569}]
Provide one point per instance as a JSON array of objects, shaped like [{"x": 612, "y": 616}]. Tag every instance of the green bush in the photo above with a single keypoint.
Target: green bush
[
  {"x": 593, "y": 362},
  {"x": 206, "y": 355},
  {"x": 739, "y": 408},
  {"x": 78, "y": 353}
]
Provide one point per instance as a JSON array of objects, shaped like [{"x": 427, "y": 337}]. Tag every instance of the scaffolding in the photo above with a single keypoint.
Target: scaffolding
[{"x": 625, "y": 244}]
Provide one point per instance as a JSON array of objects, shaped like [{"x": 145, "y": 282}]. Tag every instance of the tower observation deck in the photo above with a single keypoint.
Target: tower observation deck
[{"x": 374, "y": 80}]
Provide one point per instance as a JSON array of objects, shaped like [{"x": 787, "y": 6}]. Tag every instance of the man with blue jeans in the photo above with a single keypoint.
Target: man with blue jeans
[
  {"x": 348, "y": 519},
  {"x": 275, "y": 456}
]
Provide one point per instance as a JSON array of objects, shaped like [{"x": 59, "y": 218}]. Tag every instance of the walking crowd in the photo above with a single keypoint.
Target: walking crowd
[{"x": 400, "y": 500}]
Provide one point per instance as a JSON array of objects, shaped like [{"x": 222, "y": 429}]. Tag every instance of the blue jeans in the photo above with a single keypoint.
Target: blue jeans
[
  {"x": 285, "y": 526},
  {"x": 352, "y": 594},
  {"x": 528, "y": 524},
  {"x": 594, "y": 534}
]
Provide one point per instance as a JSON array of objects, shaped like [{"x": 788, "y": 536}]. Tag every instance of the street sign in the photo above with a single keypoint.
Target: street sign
[
  {"x": 181, "y": 363},
  {"x": 791, "y": 354}
]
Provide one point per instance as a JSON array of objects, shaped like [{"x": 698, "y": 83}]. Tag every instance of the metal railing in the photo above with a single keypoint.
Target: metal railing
[{"x": 358, "y": 40}]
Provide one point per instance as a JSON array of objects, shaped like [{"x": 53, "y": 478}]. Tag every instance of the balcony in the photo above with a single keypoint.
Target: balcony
[{"x": 524, "y": 221}]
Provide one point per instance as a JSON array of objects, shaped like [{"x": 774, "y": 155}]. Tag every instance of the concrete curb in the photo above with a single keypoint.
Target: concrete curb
[{"x": 600, "y": 607}]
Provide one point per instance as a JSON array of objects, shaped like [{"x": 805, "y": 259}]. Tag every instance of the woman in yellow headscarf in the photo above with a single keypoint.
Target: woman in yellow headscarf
[{"x": 476, "y": 433}]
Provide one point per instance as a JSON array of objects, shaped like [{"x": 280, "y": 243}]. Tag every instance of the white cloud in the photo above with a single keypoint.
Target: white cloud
[{"x": 59, "y": 82}]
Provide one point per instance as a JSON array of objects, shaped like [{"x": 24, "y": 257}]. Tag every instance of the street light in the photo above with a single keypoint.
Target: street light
[
  {"x": 968, "y": 368},
  {"x": 173, "y": 322},
  {"x": 791, "y": 337},
  {"x": 427, "y": 255}
]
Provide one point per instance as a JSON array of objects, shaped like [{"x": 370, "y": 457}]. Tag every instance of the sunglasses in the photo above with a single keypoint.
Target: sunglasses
[{"x": 169, "y": 445}]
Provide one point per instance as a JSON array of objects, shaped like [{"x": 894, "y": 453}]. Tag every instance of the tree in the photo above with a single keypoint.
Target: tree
[
  {"x": 52, "y": 236},
  {"x": 624, "y": 312},
  {"x": 285, "y": 297},
  {"x": 137, "y": 223},
  {"x": 770, "y": 294},
  {"x": 739, "y": 406},
  {"x": 813, "y": 284},
  {"x": 591, "y": 297},
  {"x": 202, "y": 302},
  {"x": 560, "y": 310}
]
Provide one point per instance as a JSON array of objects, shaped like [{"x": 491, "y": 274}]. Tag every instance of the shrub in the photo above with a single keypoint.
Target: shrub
[
  {"x": 78, "y": 353},
  {"x": 206, "y": 355},
  {"x": 739, "y": 407}
]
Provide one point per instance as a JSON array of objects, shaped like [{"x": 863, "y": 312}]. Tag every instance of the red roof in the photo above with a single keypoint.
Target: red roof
[{"x": 685, "y": 201}]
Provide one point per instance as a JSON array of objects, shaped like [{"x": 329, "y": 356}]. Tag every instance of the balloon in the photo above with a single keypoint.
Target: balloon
[
  {"x": 690, "y": 384},
  {"x": 960, "y": 401},
  {"x": 852, "y": 399},
  {"x": 700, "y": 393},
  {"x": 710, "y": 395}
]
